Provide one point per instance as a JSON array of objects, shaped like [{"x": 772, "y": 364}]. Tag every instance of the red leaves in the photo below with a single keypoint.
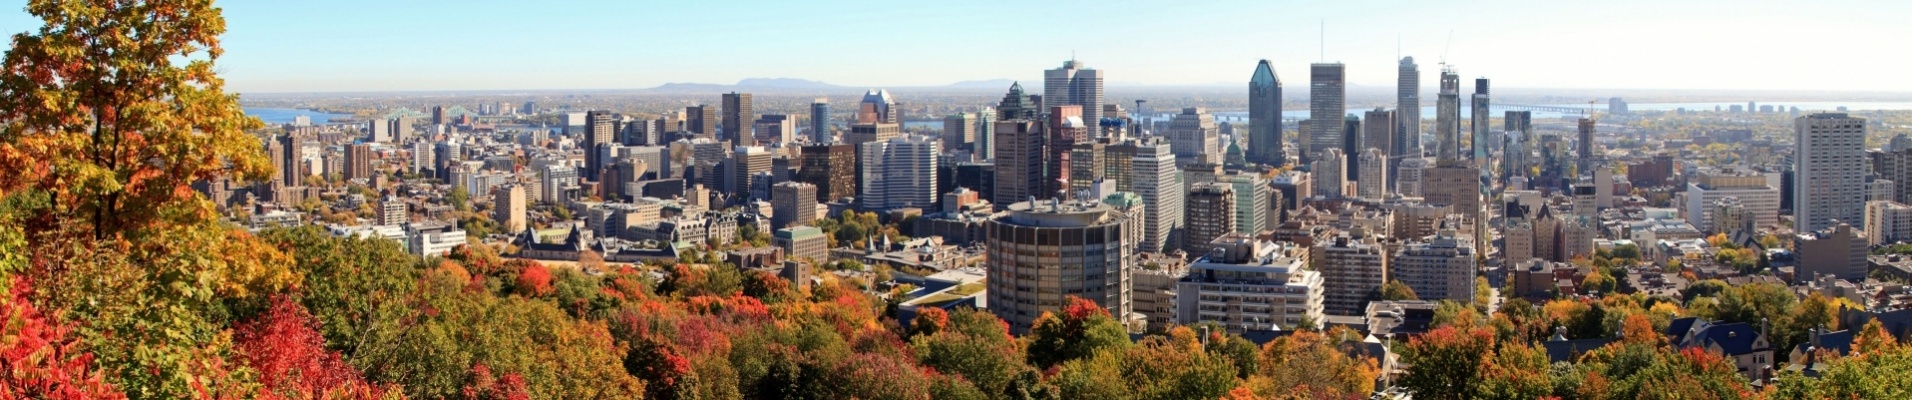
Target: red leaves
[
  {"x": 483, "y": 386},
  {"x": 1080, "y": 309},
  {"x": 534, "y": 281},
  {"x": 39, "y": 361},
  {"x": 285, "y": 346},
  {"x": 661, "y": 364}
]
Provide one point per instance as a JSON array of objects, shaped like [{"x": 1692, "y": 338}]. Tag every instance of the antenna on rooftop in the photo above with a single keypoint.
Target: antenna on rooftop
[
  {"x": 1445, "y": 49},
  {"x": 1324, "y": 40}
]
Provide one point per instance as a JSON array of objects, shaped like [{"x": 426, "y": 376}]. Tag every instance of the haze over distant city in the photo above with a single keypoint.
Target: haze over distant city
[{"x": 356, "y": 45}]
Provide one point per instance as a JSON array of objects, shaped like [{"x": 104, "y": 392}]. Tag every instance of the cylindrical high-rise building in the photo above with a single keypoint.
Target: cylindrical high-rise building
[
  {"x": 820, "y": 121},
  {"x": 1044, "y": 251}
]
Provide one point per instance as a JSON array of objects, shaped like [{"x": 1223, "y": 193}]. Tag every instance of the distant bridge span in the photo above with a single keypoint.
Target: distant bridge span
[{"x": 1553, "y": 109}]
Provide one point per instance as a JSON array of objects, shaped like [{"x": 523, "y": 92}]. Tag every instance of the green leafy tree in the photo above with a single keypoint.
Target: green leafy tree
[{"x": 1397, "y": 291}]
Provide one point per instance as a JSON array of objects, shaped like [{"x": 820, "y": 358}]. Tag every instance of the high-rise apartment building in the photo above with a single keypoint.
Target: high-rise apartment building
[
  {"x": 1407, "y": 177},
  {"x": 792, "y": 203},
  {"x": 820, "y": 132},
  {"x": 900, "y": 173},
  {"x": 1371, "y": 181},
  {"x": 1330, "y": 176},
  {"x": 739, "y": 119},
  {"x": 1327, "y": 102},
  {"x": 508, "y": 208},
  {"x": 1246, "y": 284},
  {"x": 1074, "y": 84},
  {"x": 358, "y": 161},
  {"x": 1211, "y": 214},
  {"x": 1408, "y": 110},
  {"x": 1440, "y": 268},
  {"x": 291, "y": 160},
  {"x": 1829, "y": 167},
  {"x": 1042, "y": 252},
  {"x": 1264, "y": 117},
  {"x": 1353, "y": 264},
  {"x": 1193, "y": 136},
  {"x": 1155, "y": 178}
]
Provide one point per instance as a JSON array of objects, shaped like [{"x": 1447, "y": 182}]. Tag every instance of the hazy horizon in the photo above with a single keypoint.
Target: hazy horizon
[{"x": 365, "y": 46}]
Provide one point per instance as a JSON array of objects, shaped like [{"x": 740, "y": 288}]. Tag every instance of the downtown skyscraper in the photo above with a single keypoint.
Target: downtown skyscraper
[
  {"x": 1074, "y": 84},
  {"x": 1327, "y": 102},
  {"x": 1481, "y": 125},
  {"x": 1264, "y": 117},
  {"x": 598, "y": 130},
  {"x": 1407, "y": 111},
  {"x": 1447, "y": 117},
  {"x": 739, "y": 119}
]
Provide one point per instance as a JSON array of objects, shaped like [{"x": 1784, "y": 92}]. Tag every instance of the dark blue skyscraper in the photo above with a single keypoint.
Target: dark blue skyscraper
[
  {"x": 820, "y": 121},
  {"x": 1264, "y": 117}
]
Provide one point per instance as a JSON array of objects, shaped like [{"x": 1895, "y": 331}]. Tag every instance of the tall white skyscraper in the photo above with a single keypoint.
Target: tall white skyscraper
[
  {"x": 900, "y": 173},
  {"x": 1155, "y": 178},
  {"x": 1074, "y": 84},
  {"x": 1327, "y": 103},
  {"x": 1829, "y": 168}
]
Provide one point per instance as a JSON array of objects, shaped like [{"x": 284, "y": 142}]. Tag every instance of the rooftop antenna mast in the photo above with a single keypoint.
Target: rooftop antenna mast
[
  {"x": 1445, "y": 48},
  {"x": 1324, "y": 40}
]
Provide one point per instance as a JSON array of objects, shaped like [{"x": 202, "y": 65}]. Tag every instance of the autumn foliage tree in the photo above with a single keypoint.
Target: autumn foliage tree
[
  {"x": 38, "y": 358},
  {"x": 1447, "y": 362},
  {"x": 113, "y": 108},
  {"x": 284, "y": 346},
  {"x": 1081, "y": 329}
]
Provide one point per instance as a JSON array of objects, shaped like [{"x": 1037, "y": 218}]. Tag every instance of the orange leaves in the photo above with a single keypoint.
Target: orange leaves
[{"x": 534, "y": 280}]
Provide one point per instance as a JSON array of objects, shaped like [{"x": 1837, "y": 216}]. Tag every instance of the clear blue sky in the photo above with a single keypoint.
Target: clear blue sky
[{"x": 353, "y": 45}]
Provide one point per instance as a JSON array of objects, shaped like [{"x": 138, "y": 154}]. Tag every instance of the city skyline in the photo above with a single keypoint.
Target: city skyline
[{"x": 363, "y": 46}]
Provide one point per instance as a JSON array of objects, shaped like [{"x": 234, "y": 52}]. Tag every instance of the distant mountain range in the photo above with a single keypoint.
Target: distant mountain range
[{"x": 810, "y": 86}]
